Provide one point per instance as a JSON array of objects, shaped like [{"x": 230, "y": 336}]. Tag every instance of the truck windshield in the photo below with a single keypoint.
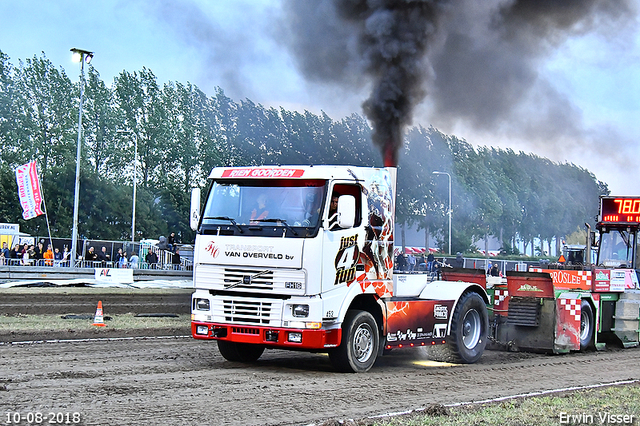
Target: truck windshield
[
  {"x": 275, "y": 202},
  {"x": 617, "y": 249}
]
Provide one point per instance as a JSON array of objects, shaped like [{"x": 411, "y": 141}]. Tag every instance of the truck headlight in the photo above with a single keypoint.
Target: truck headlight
[
  {"x": 300, "y": 311},
  {"x": 202, "y": 304},
  {"x": 295, "y": 337}
]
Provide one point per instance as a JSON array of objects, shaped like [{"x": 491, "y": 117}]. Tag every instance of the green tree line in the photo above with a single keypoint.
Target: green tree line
[{"x": 181, "y": 133}]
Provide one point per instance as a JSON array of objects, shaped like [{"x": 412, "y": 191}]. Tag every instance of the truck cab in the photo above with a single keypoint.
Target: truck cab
[{"x": 301, "y": 257}]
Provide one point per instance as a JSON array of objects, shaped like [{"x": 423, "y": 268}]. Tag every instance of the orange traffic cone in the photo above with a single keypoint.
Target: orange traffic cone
[{"x": 98, "y": 320}]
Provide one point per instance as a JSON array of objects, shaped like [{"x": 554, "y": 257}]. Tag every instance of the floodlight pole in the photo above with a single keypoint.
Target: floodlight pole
[{"x": 82, "y": 56}]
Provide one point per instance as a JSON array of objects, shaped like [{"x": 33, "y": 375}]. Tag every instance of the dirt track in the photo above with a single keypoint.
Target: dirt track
[
  {"x": 54, "y": 301},
  {"x": 180, "y": 381}
]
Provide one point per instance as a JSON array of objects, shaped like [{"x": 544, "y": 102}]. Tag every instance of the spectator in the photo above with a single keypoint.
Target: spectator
[
  {"x": 28, "y": 254},
  {"x": 151, "y": 259},
  {"x": 5, "y": 251},
  {"x": 495, "y": 271},
  {"x": 2, "y": 258},
  {"x": 57, "y": 257},
  {"x": 48, "y": 256},
  {"x": 38, "y": 254},
  {"x": 171, "y": 242},
  {"x": 411, "y": 260},
  {"x": 401, "y": 263},
  {"x": 15, "y": 253},
  {"x": 162, "y": 244},
  {"x": 103, "y": 256},
  {"x": 459, "y": 262},
  {"x": 117, "y": 258},
  {"x": 122, "y": 263},
  {"x": 175, "y": 259},
  {"x": 91, "y": 256},
  {"x": 431, "y": 259},
  {"x": 66, "y": 256},
  {"x": 133, "y": 262}
]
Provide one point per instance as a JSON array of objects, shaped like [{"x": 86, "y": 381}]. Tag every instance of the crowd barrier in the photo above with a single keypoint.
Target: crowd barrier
[{"x": 183, "y": 266}]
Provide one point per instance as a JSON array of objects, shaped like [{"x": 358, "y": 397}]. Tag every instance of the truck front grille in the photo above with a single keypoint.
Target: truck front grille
[
  {"x": 254, "y": 278},
  {"x": 249, "y": 279},
  {"x": 253, "y": 312}
]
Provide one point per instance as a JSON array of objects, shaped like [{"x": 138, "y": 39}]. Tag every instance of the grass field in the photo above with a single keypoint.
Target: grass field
[
  {"x": 619, "y": 405},
  {"x": 17, "y": 323}
]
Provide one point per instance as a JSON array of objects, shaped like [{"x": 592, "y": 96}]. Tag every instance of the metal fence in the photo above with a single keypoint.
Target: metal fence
[
  {"x": 136, "y": 254},
  {"x": 471, "y": 263}
]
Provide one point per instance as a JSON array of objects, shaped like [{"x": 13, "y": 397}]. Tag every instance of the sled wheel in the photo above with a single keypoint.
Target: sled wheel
[
  {"x": 239, "y": 352},
  {"x": 468, "y": 336},
  {"x": 587, "y": 326},
  {"x": 359, "y": 347}
]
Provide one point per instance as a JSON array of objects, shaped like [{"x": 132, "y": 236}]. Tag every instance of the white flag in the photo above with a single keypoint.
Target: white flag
[{"x": 29, "y": 190}]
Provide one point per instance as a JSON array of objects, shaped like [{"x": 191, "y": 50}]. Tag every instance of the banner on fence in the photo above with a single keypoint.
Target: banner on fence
[
  {"x": 29, "y": 190},
  {"x": 114, "y": 276}
]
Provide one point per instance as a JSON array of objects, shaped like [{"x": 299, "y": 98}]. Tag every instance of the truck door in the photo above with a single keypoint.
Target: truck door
[{"x": 342, "y": 245}]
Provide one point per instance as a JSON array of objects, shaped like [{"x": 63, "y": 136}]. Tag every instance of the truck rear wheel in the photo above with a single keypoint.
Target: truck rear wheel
[
  {"x": 587, "y": 326},
  {"x": 359, "y": 347},
  {"x": 468, "y": 336},
  {"x": 239, "y": 352}
]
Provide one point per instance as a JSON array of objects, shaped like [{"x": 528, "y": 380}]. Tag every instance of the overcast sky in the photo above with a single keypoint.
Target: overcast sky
[{"x": 576, "y": 96}]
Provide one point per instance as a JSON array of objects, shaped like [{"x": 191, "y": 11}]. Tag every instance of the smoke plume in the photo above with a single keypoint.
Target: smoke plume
[{"x": 476, "y": 62}]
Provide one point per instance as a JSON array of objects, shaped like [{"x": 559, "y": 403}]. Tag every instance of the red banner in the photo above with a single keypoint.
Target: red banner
[{"x": 29, "y": 190}]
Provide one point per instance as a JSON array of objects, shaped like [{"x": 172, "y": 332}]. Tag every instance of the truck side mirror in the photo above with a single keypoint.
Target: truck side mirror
[
  {"x": 194, "y": 215},
  {"x": 346, "y": 211}
]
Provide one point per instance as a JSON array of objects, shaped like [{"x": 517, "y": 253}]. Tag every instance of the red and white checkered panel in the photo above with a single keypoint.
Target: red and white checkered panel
[
  {"x": 585, "y": 276},
  {"x": 499, "y": 296},
  {"x": 572, "y": 306}
]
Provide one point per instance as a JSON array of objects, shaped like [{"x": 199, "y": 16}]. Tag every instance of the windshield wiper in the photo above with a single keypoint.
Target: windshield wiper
[
  {"x": 284, "y": 222},
  {"x": 230, "y": 219}
]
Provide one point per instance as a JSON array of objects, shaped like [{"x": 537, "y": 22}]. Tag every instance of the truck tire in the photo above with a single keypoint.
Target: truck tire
[
  {"x": 468, "y": 336},
  {"x": 239, "y": 352},
  {"x": 587, "y": 326},
  {"x": 359, "y": 346}
]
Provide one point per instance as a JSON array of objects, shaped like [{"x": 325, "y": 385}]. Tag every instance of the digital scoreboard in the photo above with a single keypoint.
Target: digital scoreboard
[{"x": 622, "y": 210}]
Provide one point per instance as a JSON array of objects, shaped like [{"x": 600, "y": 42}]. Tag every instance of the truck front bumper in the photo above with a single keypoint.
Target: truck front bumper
[{"x": 288, "y": 338}]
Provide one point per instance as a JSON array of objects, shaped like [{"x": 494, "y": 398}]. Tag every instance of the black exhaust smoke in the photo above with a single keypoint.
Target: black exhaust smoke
[
  {"x": 479, "y": 60},
  {"x": 393, "y": 36}
]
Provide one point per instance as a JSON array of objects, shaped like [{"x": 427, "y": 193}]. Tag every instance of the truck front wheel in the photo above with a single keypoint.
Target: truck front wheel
[
  {"x": 359, "y": 347},
  {"x": 239, "y": 352},
  {"x": 468, "y": 336}
]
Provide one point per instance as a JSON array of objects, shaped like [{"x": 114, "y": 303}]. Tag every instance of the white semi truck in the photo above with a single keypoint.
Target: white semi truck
[{"x": 301, "y": 258}]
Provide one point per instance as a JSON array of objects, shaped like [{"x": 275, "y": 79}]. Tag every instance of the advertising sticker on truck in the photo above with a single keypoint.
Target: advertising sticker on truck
[
  {"x": 441, "y": 312},
  {"x": 263, "y": 173},
  {"x": 250, "y": 251},
  {"x": 212, "y": 249},
  {"x": 346, "y": 260}
]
